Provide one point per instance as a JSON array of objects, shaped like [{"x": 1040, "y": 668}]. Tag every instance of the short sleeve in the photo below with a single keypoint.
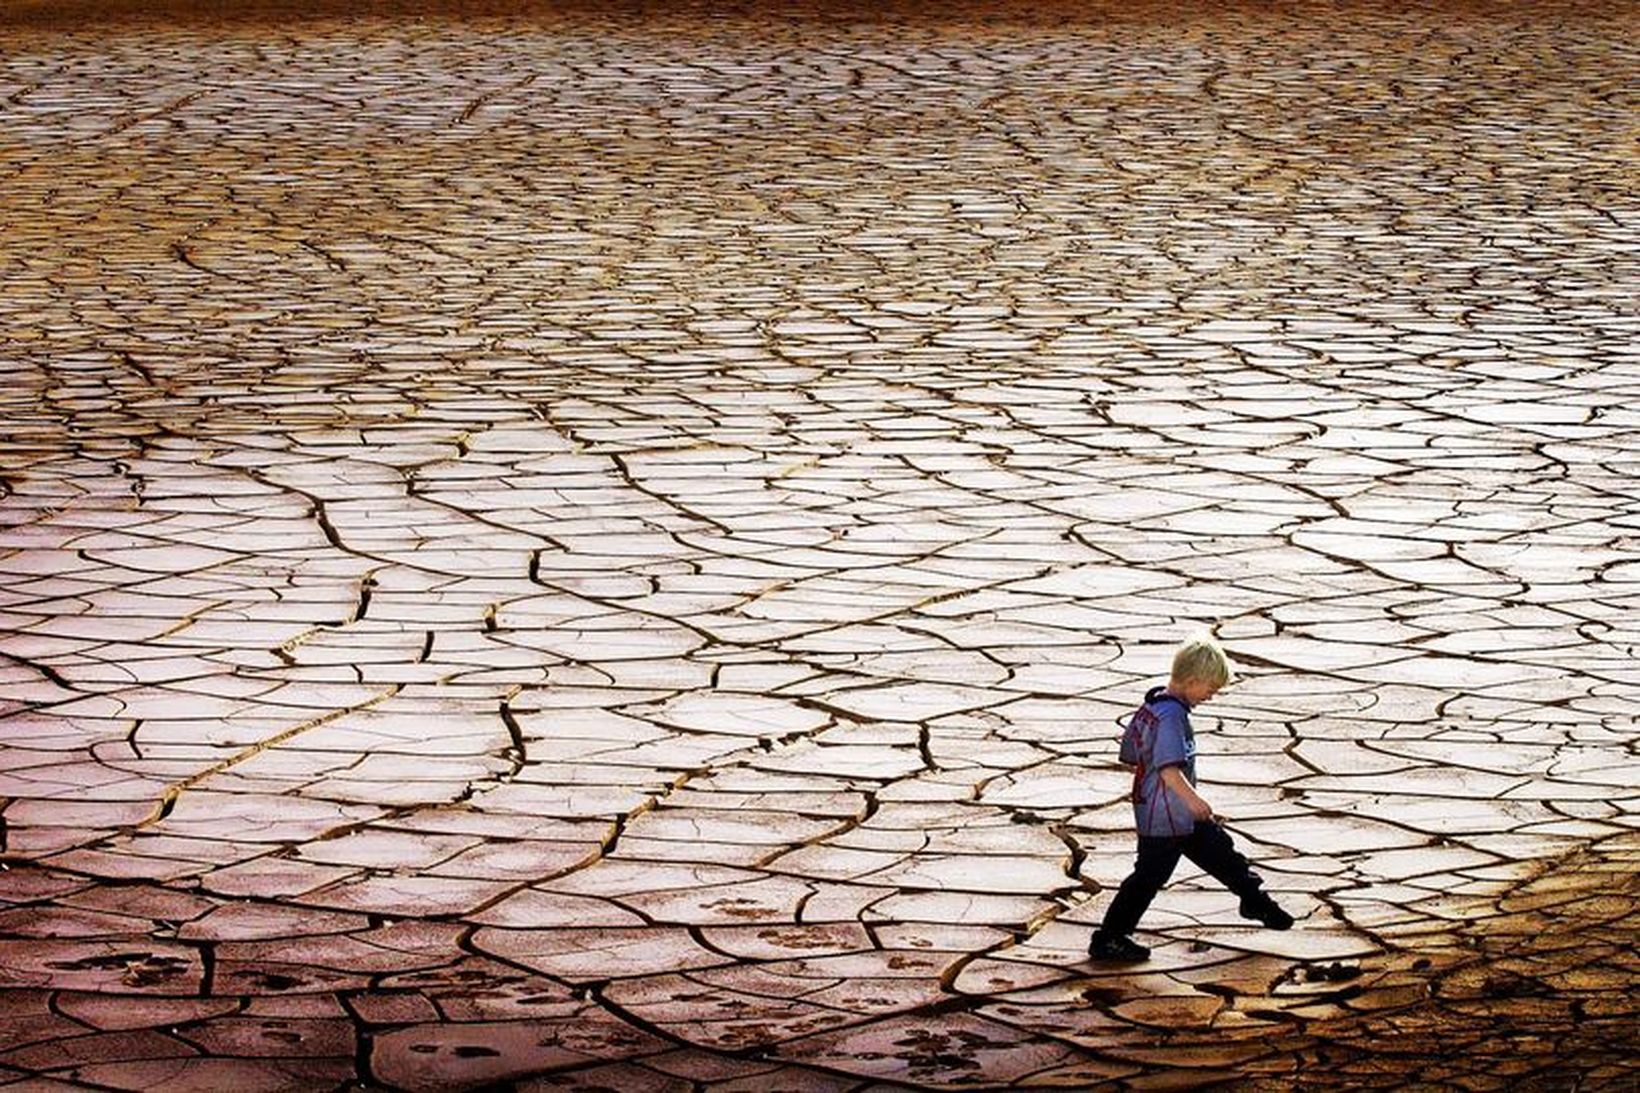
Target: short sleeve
[{"x": 1170, "y": 747}]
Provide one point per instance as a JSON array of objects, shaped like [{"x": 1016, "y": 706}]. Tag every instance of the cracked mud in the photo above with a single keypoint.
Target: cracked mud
[{"x": 601, "y": 547}]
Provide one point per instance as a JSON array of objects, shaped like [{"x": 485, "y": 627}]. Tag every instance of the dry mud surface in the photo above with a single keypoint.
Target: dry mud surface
[{"x": 601, "y": 547}]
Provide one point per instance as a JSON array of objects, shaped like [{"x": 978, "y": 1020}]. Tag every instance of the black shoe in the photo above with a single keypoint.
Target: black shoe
[
  {"x": 1262, "y": 908},
  {"x": 1117, "y": 948}
]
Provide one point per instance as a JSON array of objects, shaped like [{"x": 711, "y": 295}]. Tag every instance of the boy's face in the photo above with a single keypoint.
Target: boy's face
[{"x": 1195, "y": 691}]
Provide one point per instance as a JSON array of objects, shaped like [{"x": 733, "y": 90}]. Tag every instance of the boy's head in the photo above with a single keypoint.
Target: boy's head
[{"x": 1200, "y": 668}]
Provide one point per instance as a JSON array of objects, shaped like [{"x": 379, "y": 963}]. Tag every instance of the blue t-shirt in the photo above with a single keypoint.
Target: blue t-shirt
[{"x": 1158, "y": 736}]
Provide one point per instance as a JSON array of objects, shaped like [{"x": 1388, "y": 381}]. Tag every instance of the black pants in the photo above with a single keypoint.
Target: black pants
[{"x": 1208, "y": 846}]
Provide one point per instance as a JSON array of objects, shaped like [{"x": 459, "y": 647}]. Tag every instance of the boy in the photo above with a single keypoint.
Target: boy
[{"x": 1173, "y": 819}]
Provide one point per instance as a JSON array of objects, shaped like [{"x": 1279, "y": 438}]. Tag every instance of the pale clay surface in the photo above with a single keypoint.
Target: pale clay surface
[{"x": 604, "y": 548}]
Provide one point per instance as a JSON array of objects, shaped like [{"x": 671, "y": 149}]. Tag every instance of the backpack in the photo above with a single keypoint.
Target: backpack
[{"x": 1129, "y": 752}]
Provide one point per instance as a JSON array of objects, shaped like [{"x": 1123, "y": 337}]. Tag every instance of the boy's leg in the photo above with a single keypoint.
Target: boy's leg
[
  {"x": 1209, "y": 846},
  {"x": 1158, "y": 856}
]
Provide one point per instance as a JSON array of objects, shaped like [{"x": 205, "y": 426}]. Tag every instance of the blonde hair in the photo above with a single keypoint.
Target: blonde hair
[{"x": 1201, "y": 658}]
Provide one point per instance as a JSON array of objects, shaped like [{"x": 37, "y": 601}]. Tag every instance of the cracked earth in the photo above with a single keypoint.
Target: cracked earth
[{"x": 602, "y": 547}]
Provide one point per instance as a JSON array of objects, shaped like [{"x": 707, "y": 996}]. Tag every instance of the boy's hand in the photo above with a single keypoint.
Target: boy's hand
[{"x": 1200, "y": 809}]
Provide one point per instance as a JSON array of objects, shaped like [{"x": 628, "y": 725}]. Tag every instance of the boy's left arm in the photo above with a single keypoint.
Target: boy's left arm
[{"x": 1173, "y": 778}]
